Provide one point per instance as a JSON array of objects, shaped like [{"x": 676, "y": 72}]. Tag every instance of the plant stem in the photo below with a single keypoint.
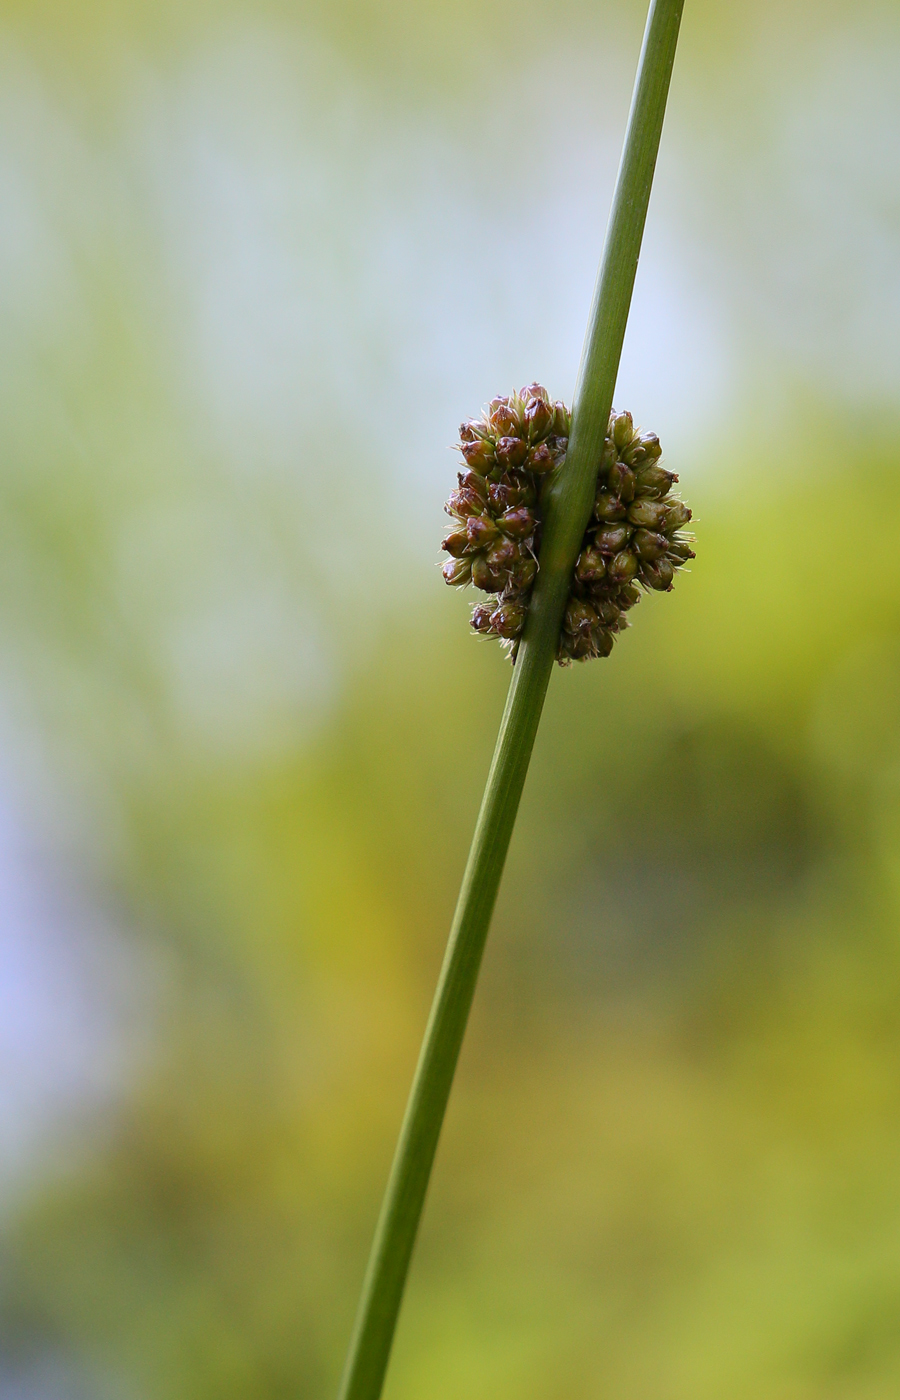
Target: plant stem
[{"x": 567, "y": 515}]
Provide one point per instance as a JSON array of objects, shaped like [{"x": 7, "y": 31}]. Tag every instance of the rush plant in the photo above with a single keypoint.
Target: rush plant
[{"x": 562, "y": 575}]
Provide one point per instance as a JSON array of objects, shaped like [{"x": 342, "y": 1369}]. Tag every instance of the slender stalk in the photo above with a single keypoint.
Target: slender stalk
[{"x": 567, "y": 516}]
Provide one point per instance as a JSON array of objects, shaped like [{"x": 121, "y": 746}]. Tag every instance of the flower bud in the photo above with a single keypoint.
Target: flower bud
[
  {"x": 511, "y": 451},
  {"x": 655, "y": 481},
  {"x": 522, "y": 574},
  {"x": 603, "y": 642},
  {"x": 562, "y": 420},
  {"x": 591, "y": 566},
  {"x": 518, "y": 523},
  {"x": 649, "y": 514},
  {"x": 650, "y": 450},
  {"x": 659, "y": 575},
  {"x": 479, "y": 455},
  {"x": 650, "y": 545},
  {"x": 455, "y": 543},
  {"x": 681, "y": 551},
  {"x": 509, "y": 619},
  {"x": 503, "y": 417},
  {"x": 606, "y": 609},
  {"x": 539, "y": 416},
  {"x": 471, "y": 481},
  {"x": 621, "y": 482},
  {"x": 481, "y": 531},
  {"x": 481, "y": 617},
  {"x": 677, "y": 514},
  {"x": 611, "y": 538},
  {"x": 483, "y": 575},
  {"x": 468, "y": 431},
  {"x": 457, "y": 572},
  {"x": 541, "y": 458},
  {"x": 580, "y": 617},
  {"x": 503, "y": 554},
  {"x": 623, "y": 567},
  {"x": 464, "y": 502},
  {"x": 623, "y": 430},
  {"x": 628, "y": 596},
  {"x": 607, "y": 507}
]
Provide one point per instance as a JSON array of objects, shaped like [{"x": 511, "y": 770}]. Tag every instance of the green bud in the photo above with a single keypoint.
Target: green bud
[
  {"x": 519, "y": 523},
  {"x": 649, "y": 514},
  {"x": 650, "y": 545},
  {"x": 655, "y": 481},
  {"x": 621, "y": 482},
  {"x": 681, "y": 551},
  {"x": 456, "y": 543},
  {"x": 677, "y": 514},
  {"x": 509, "y": 619},
  {"x": 511, "y": 451},
  {"x": 623, "y": 430},
  {"x": 659, "y": 575},
  {"x": 611, "y": 538},
  {"x": 479, "y": 455},
  {"x": 590, "y": 567},
  {"x": 606, "y": 610},
  {"x": 623, "y": 567},
  {"x": 481, "y": 531},
  {"x": 580, "y": 617},
  {"x": 542, "y": 458},
  {"x": 522, "y": 574},
  {"x": 607, "y": 507},
  {"x": 650, "y": 450},
  {"x": 539, "y": 415},
  {"x": 457, "y": 572},
  {"x": 628, "y": 596},
  {"x": 562, "y": 420},
  {"x": 603, "y": 642},
  {"x": 483, "y": 575}
]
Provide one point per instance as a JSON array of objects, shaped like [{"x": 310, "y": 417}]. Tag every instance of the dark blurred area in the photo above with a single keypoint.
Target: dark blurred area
[{"x": 258, "y": 263}]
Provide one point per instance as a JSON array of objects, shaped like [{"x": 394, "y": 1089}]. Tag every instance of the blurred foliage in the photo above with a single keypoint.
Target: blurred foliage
[{"x": 670, "y": 1166}]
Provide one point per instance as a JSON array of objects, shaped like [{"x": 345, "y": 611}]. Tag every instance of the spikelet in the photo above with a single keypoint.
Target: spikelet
[{"x": 634, "y": 539}]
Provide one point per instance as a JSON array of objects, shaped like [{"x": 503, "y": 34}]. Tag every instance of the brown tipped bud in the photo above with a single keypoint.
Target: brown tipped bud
[
  {"x": 518, "y": 523},
  {"x": 649, "y": 449},
  {"x": 622, "y": 567},
  {"x": 481, "y": 531},
  {"x": 538, "y": 419},
  {"x": 511, "y": 451},
  {"x": 503, "y": 554},
  {"x": 609, "y": 539},
  {"x": 541, "y": 458},
  {"x": 623, "y": 430},
  {"x": 457, "y": 572},
  {"x": 483, "y": 575},
  {"x": 650, "y": 545},
  {"x": 509, "y": 619},
  {"x": 677, "y": 514},
  {"x": 468, "y": 431},
  {"x": 503, "y": 417},
  {"x": 481, "y": 617},
  {"x": 649, "y": 514},
  {"x": 479, "y": 455},
  {"x": 606, "y": 610},
  {"x": 681, "y": 551},
  {"x": 607, "y": 507},
  {"x": 591, "y": 566},
  {"x": 580, "y": 617},
  {"x": 603, "y": 642},
  {"x": 655, "y": 481},
  {"x": 562, "y": 420},
  {"x": 522, "y": 574},
  {"x": 456, "y": 543},
  {"x": 471, "y": 481},
  {"x": 533, "y": 391},
  {"x": 621, "y": 482},
  {"x": 628, "y": 596},
  {"x": 659, "y": 575},
  {"x": 463, "y": 503}
]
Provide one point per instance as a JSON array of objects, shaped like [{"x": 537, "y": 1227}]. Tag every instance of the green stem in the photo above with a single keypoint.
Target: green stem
[{"x": 567, "y": 515}]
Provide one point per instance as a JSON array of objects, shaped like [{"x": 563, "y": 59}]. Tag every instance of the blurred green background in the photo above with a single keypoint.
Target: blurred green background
[{"x": 258, "y": 261}]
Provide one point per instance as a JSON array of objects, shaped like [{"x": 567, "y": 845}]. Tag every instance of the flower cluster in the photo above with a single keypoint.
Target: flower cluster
[{"x": 635, "y": 535}]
